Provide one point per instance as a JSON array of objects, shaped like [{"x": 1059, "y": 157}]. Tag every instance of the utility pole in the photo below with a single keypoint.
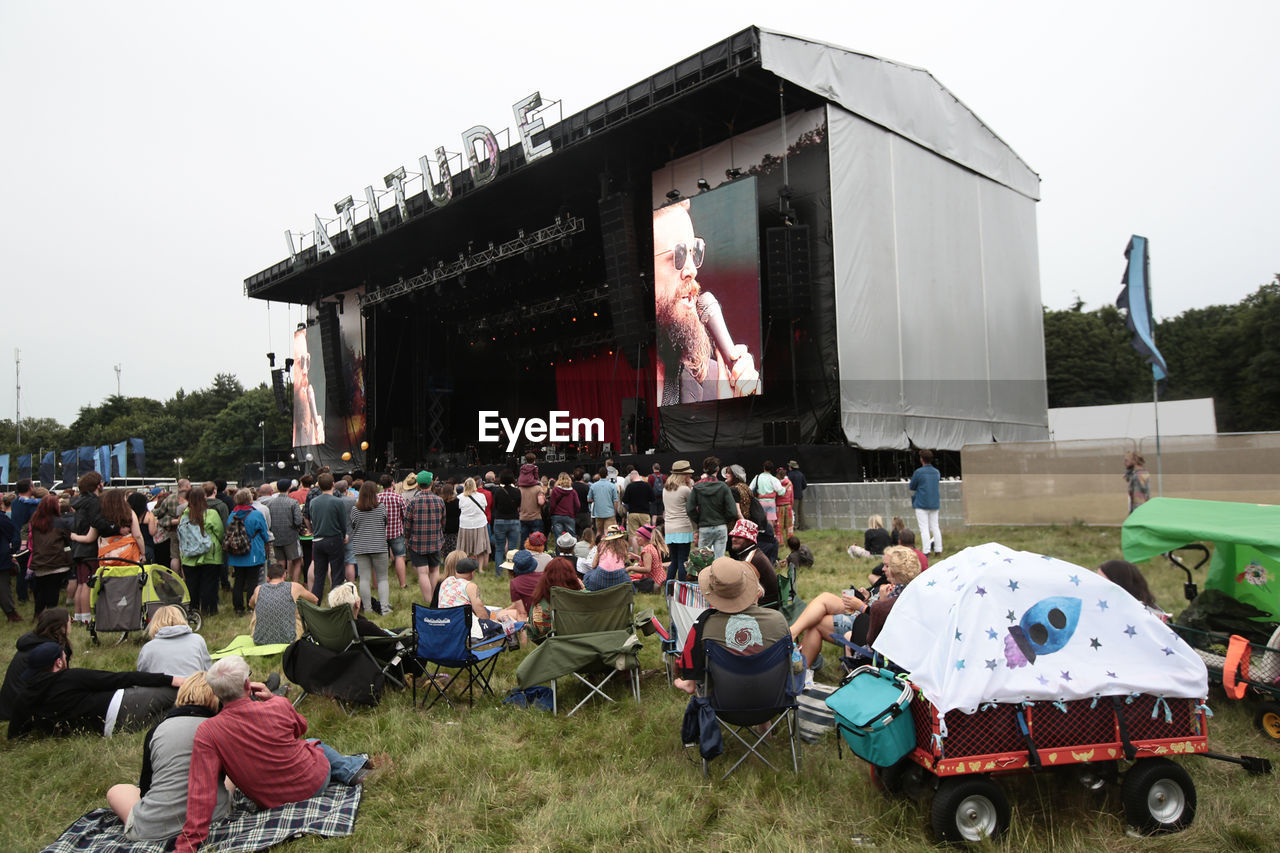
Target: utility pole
[
  {"x": 117, "y": 380},
  {"x": 17, "y": 393}
]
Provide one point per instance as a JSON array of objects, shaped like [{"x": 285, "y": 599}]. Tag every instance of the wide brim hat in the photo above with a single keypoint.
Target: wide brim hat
[
  {"x": 523, "y": 563},
  {"x": 730, "y": 585},
  {"x": 682, "y": 466},
  {"x": 745, "y": 529},
  {"x": 566, "y": 542},
  {"x": 410, "y": 482},
  {"x": 613, "y": 531}
]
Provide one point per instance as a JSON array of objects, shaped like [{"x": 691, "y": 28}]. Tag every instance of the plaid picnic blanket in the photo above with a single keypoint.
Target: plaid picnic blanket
[{"x": 331, "y": 815}]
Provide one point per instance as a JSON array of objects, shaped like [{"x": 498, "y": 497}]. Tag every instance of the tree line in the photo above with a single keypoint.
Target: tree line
[
  {"x": 1228, "y": 352},
  {"x": 214, "y": 430}
]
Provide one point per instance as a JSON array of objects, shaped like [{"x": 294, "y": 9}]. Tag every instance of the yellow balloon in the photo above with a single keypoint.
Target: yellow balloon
[
  {"x": 346, "y": 456},
  {"x": 364, "y": 445}
]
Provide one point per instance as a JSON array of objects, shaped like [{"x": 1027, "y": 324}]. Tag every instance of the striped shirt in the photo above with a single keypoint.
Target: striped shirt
[
  {"x": 394, "y": 502},
  {"x": 369, "y": 530}
]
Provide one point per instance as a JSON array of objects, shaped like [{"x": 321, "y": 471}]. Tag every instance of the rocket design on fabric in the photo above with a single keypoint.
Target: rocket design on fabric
[{"x": 1045, "y": 628}]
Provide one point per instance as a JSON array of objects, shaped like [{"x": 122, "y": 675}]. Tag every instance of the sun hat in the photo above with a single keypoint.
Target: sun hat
[
  {"x": 738, "y": 473},
  {"x": 730, "y": 585},
  {"x": 613, "y": 531},
  {"x": 523, "y": 563},
  {"x": 566, "y": 543},
  {"x": 410, "y": 482},
  {"x": 645, "y": 532},
  {"x": 681, "y": 466},
  {"x": 424, "y": 479},
  {"x": 745, "y": 528}
]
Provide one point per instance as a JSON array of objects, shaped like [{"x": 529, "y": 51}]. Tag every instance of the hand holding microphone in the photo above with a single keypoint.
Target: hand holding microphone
[{"x": 743, "y": 377}]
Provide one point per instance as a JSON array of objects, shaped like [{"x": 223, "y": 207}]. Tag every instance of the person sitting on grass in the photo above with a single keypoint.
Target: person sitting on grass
[
  {"x": 52, "y": 625},
  {"x": 650, "y": 574},
  {"x": 56, "y": 700},
  {"x": 173, "y": 648},
  {"x": 524, "y": 579},
  {"x": 896, "y": 528},
  {"x": 258, "y": 746},
  {"x": 842, "y": 614},
  {"x": 799, "y": 556},
  {"x": 735, "y": 621},
  {"x": 275, "y": 608},
  {"x": 742, "y": 546},
  {"x": 461, "y": 590},
  {"x": 874, "y": 540},
  {"x": 560, "y": 573},
  {"x": 156, "y": 807},
  {"x": 536, "y": 545},
  {"x": 610, "y": 566}
]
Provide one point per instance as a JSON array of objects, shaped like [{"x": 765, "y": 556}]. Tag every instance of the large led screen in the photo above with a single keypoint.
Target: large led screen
[{"x": 706, "y": 286}]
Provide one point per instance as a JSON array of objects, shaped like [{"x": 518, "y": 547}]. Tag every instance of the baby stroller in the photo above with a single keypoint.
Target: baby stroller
[{"x": 125, "y": 594}]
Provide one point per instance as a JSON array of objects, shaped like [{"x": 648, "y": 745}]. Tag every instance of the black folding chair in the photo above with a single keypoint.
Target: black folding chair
[
  {"x": 339, "y": 674},
  {"x": 749, "y": 690}
]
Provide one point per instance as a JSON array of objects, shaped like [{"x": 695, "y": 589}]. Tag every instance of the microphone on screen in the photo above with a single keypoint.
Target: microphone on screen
[{"x": 711, "y": 316}]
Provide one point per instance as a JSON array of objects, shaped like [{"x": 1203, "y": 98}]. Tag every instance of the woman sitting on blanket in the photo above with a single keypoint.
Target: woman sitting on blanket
[
  {"x": 173, "y": 648},
  {"x": 156, "y": 807},
  {"x": 861, "y": 615}
]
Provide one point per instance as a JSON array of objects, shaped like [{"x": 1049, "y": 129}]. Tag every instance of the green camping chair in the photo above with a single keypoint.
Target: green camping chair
[
  {"x": 581, "y": 617},
  {"x": 350, "y": 671}
]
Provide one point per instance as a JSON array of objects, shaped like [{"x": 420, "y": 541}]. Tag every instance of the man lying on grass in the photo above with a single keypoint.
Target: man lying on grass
[{"x": 257, "y": 744}]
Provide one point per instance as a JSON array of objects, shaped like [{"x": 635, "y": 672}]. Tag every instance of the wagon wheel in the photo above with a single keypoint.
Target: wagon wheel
[
  {"x": 1158, "y": 796},
  {"x": 195, "y": 620},
  {"x": 1268, "y": 719},
  {"x": 969, "y": 808}
]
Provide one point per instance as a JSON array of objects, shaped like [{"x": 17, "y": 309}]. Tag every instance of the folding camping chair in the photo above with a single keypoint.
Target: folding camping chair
[
  {"x": 332, "y": 659},
  {"x": 748, "y": 690},
  {"x": 580, "y": 612},
  {"x": 685, "y": 603},
  {"x": 443, "y": 637}
]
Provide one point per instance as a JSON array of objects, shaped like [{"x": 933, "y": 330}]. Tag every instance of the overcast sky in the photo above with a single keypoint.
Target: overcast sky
[{"x": 153, "y": 154}]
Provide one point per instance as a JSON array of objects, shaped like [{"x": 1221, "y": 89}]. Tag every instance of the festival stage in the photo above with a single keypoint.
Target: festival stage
[{"x": 775, "y": 248}]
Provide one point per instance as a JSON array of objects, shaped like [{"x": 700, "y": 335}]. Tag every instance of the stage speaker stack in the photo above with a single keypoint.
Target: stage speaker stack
[
  {"x": 787, "y": 257},
  {"x": 277, "y": 387},
  {"x": 629, "y": 295},
  {"x": 331, "y": 351}
]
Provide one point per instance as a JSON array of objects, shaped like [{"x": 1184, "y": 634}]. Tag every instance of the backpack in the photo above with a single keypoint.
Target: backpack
[
  {"x": 192, "y": 541},
  {"x": 236, "y": 541}
]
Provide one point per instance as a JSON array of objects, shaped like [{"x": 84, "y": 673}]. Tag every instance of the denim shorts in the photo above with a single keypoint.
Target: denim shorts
[
  {"x": 397, "y": 546},
  {"x": 843, "y": 623}
]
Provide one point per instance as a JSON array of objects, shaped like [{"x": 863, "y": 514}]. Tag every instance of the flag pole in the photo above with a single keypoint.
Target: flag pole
[{"x": 1155, "y": 405}]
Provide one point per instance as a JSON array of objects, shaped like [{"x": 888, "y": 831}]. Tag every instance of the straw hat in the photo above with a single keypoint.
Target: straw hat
[
  {"x": 730, "y": 585},
  {"x": 681, "y": 466},
  {"x": 613, "y": 532}
]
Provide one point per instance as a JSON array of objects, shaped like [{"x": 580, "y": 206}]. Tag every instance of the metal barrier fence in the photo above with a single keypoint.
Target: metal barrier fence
[
  {"x": 847, "y": 506},
  {"x": 1061, "y": 482}
]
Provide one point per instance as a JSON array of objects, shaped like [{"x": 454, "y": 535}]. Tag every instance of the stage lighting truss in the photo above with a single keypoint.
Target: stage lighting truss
[{"x": 564, "y": 226}]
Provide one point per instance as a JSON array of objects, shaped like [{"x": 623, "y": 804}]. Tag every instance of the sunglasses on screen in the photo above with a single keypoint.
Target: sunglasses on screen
[{"x": 680, "y": 253}]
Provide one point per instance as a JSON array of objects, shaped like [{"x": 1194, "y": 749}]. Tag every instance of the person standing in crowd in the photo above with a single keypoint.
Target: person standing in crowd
[
  {"x": 50, "y": 560},
  {"x": 424, "y": 534},
  {"x": 786, "y": 520},
  {"x": 532, "y": 497},
  {"x": 368, "y": 519},
  {"x": 88, "y": 514},
  {"x": 473, "y": 535},
  {"x": 655, "y": 481},
  {"x": 602, "y": 498},
  {"x": 452, "y": 515},
  {"x": 767, "y": 489},
  {"x": 637, "y": 497},
  {"x": 8, "y": 544},
  {"x": 926, "y": 498},
  {"x": 201, "y": 570},
  {"x": 564, "y": 507},
  {"x": 712, "y": 507},
  {"x": 286, "y": 529},
  {"x": 506, "y": 519},
  {"x": 679, "y": 527},
  {"x": 1137, "y": 478},
  {"x": 146, "y": 524},
  {"x": 582, "y": 487},
  {"x": 24, "y": 506},
  {"x": 393, "y": 501},
  {"x": 167, "y": 513},
  {"x": 330, "y": 526},
  {"x": 798, "y": 485},
  {"x": 248, "y": 563}
]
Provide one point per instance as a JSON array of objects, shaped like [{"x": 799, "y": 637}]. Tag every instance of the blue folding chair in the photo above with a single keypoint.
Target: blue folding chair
[
  {"x": 750, "y": 690},
  {"x": 443, "y": 637}
]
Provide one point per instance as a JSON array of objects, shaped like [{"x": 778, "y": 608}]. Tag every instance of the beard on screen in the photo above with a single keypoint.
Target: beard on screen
[{"x": 683, "y": 338}]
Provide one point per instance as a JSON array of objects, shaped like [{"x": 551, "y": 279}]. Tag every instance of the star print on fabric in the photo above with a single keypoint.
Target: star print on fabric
[
  {"x": 1167, "y": 650},
  {"x": 1043, "y": 681},
  {"x": 1011, "y": 617},
  {"x": 1066, "y": 675},
  {"x": 1102, "y": 605},
  {"x": 1110, "y": 674},
  {"x": 1094, "y": 644},
  {"x": 1013, "y": 585},
  {"x": 993, "y": 634},
  {"x": 1131, "y": 631},
  {"x": 1075, "y": 579},
  {"x": 979, "y": 591},
  {"x": 1008, "y": 559},
  {"x": 960, "y": 664},
  {"x": 991, "y": 664},
  {"x": 931, "y": 583},
  {"x": 957, "y": 636}
]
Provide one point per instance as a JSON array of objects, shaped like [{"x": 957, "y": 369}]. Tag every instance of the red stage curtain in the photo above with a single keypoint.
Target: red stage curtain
[{"x": 594, "y": 386}]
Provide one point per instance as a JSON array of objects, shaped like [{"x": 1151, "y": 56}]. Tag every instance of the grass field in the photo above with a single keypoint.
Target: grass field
[{"x": 616, "y": 776}]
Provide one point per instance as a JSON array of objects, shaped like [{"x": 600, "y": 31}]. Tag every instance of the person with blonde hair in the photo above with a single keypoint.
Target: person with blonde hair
[
  {"x": 564, "y": 503},
  {"x": 473, "y": 524},
  {"x": 173, "y": 648},
  {"x": 156, "y": 807},
  {"x": 650, "y": 574}
]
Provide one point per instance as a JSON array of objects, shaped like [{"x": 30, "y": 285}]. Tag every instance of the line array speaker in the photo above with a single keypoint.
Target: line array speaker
[
  {"x": 628, "y": 297},
  {"x": 787, "y": 258}
]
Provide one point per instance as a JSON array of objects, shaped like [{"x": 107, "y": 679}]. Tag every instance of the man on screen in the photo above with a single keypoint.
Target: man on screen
[{"x": 691, "y": 367}]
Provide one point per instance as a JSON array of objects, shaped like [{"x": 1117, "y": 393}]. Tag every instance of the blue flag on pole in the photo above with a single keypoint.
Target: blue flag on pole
[
  {"x": 103, "y": 462},
  {"x": 118, "y": 455},
  {"x": 48, "y": 475},
  {"x": 24, "y": 466},
  {"x": 139, "y": 456},
  {"x": 4, "y": 468},
  {"x": 86, "y": 461},
  {"x": 1135, "y": 297},
  {"x": 69, "y": 464}
]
